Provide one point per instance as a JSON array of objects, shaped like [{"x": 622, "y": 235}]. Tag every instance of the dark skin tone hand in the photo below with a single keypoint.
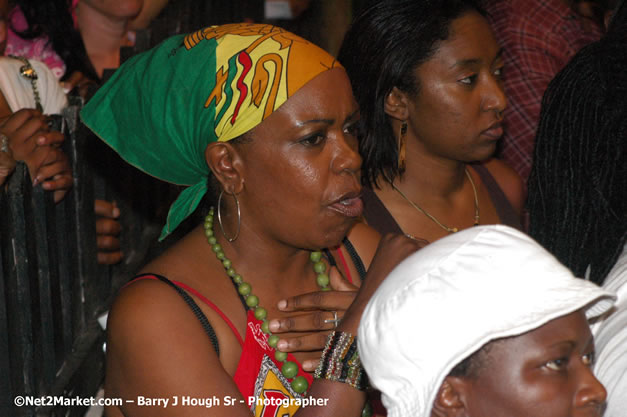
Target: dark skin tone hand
[
  {"x": 7, "y": 164},
  {"x": 32, "y": 141},
  {"x": 108, "y": 230},
  {"x": 391, "y": 251},
  {"x": 79, "y": 81},
  {"x": 194, "y": 350},
  {"x": 318, "y": 306}
]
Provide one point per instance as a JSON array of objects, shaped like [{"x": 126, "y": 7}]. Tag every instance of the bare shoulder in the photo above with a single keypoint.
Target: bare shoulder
[
  {"x": 365, "y": 240},
  {"x": 182, "y": 258},
  {"x": 509, "y": 181},
  {"x": 147, "y": 310},
  {"x": 157, "y": 348}
]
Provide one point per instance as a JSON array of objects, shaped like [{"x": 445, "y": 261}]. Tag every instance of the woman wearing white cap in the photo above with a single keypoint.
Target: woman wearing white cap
[{"x": 484, "y": 322}]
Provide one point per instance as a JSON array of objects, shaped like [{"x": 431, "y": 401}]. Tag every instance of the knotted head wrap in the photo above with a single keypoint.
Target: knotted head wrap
[{"x": 163, "y": 107}]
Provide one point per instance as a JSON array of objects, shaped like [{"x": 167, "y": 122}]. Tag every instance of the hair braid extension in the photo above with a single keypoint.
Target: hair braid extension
[{"x": 578, "y": 184}]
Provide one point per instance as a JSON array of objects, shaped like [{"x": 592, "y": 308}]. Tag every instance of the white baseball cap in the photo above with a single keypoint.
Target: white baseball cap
[{"x": 486, "y": 282}]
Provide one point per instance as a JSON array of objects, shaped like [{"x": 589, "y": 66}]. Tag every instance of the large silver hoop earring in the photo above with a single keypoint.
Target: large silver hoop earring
[{"x": 239, "y": 217}]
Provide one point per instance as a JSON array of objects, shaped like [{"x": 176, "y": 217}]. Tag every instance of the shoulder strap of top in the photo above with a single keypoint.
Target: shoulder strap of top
[
  {"x": 347, "y": 271},
  {"x": 332, "y": 263},
  {"x": 196, "y": 310},
  {"x": 359, "y": 264},
  {"x": 503, "y": 207},
  {"x": 182, "y": 290},
  {"x": 377, "y": 215}
]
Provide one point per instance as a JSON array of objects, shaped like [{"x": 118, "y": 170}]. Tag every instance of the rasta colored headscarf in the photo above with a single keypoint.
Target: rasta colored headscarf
[{"x": 163, "y": 107}]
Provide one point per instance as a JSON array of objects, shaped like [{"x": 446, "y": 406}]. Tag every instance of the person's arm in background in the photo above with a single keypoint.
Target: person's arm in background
[
  {"x": 48, "y": 164},
  {"x": 108, "y": 230},
  {"x": 7, "y": 163},
  {"x": 30, "y": 140}
]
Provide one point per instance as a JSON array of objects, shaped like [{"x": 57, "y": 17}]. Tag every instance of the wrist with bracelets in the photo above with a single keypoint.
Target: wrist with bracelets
[
  {"x": 4, "y": 144},
  {"x": 340, "y": 361}
]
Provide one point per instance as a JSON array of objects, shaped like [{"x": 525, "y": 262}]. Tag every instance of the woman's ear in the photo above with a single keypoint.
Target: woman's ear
[
  {"x": 226, "y": 165},
  {"x": 450, "y": 400},
  {"x": 395, "y": 104}
]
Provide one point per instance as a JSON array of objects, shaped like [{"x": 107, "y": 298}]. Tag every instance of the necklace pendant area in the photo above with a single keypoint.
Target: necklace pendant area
[
  {"x": 289, "y": 370},
  {"x": 28, "y": 72},
  {"x": 432, "y": 217}
]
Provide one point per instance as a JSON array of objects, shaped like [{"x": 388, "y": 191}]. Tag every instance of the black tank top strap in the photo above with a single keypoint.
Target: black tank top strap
[
  {"x": 359, "y": 264},
  {"x": 195, "y": 309},
  {"x": 377, "y": 215},
  {"x": 329, "y": 257}
]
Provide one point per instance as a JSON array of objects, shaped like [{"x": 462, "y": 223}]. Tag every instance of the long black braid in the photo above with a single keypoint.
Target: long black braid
[{"x": 578, "y": 184}]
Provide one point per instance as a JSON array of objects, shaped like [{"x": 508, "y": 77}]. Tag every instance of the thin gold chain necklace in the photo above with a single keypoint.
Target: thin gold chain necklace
[{"x": 436, "y": 221}]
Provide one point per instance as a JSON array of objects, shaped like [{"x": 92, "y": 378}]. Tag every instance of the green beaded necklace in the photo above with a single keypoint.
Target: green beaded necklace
[{"x": 289, "y": 369}]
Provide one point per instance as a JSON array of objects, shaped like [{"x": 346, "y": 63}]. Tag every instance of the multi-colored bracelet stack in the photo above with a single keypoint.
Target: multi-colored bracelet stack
[
  {"x": 340, "y": 361},
  {"x": 4, "y": 143}
]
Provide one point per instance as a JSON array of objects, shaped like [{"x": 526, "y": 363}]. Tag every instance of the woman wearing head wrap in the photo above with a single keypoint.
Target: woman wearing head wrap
[
  {"x": 505, "y": 331},
  {"x": 266, "y": 118}
]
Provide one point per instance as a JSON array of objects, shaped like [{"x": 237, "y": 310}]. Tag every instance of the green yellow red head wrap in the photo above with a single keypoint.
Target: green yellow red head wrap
[{"x": 163, "y": 107}]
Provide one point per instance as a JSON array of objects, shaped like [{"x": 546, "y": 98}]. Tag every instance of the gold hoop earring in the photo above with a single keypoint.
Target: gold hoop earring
[
  {"x": 401, "y": 147},
  {"x": 239, "y": 217}
]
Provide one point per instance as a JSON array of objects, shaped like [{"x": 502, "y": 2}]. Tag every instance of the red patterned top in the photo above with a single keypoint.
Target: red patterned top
[{"x": 258, "y": 376}]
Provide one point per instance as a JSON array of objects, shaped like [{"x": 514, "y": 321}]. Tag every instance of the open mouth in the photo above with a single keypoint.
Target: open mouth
[{"x": 349, "y": 206}]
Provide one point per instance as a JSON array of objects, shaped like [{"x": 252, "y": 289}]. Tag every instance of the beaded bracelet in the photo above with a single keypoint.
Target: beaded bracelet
[
  {"x": 4, "y": 143},
  {"x": 340, "y": 361}
]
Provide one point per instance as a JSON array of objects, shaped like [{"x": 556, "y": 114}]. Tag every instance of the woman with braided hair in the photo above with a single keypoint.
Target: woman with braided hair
[{"x": 578, "y": 186}]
